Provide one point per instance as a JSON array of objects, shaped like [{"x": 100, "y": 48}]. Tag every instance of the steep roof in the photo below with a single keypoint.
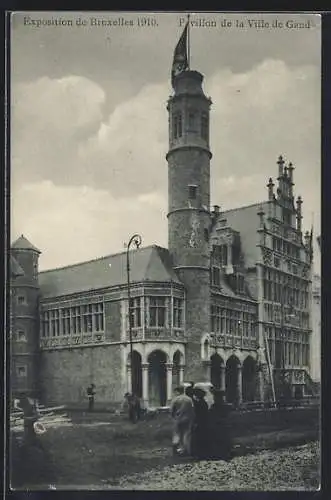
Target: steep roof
[
  {"x": 23, "y": 244},
  {"x": 151, "y": 263},
  {"x": 15, "y": 268},
  {"x": 246, "y": 221}
]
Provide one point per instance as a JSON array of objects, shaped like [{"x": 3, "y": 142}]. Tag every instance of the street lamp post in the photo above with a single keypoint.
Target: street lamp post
[{"x": 136, "y": 239}]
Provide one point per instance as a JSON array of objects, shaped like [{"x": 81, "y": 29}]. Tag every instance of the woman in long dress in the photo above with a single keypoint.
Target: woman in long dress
[
  {"x": 219, "y": 427},
  {"x": 200, "y": 440}
]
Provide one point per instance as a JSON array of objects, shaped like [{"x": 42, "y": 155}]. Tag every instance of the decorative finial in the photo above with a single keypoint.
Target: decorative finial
[
  {"x": 270, "y": 187},
  {"x": 280, "y": 163}
]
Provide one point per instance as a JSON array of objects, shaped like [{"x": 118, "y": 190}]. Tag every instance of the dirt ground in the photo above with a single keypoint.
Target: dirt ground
[{"x": 105, "y": 453}]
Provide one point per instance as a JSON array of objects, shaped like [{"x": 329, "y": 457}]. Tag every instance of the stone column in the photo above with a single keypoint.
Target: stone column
[
  {"x": 181, "y": 374},
  {"x": 239, "y": 385},
  {"x": 260, "y": 386},
  {"x": 222, "y": 381},
  {"x": 169, "y": 367},
  {"x": 129, "y": 378},
  {"x": 144, "y": 368}
]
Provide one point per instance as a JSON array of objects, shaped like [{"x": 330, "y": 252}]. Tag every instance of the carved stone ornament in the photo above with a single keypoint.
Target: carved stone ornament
[{"x": 267, "y": 257}]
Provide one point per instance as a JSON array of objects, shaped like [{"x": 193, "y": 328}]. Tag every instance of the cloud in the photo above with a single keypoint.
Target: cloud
[
  {"x": 75, "y": 223},
  {"x": 62, "y": 135}
]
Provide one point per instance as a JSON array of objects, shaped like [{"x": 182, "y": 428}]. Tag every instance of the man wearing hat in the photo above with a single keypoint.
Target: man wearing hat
[{"x": 182, "y": 413}]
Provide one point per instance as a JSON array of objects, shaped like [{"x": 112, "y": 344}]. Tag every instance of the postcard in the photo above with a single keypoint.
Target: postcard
[{"x": 164, "y": 329}]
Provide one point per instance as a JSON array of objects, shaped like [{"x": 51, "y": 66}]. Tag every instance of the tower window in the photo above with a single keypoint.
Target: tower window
[
  {"x": 206, "y": 234},
  {"x": 21, "y": 371},
  {"x": 21, "y": 337},
  {"x": 192, "y": 192},
  {"x": 191, "y": 121},
  {"x": 21, "y": 299},
  {"x": 177, "y": 127},
  {"x": 204, "y": 126}
]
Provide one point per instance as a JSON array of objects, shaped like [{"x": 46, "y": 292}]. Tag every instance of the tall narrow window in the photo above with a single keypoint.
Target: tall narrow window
[
  {"x": 135, "y": 311},
  {"x": 191, "y": 121},
  {"x": 98, "y": 318},
  {"x": 224, "y": 255},
  {"x": 215, "y": 318},
  {"x": 216, "y": 276},
  {"x": 157, "y": 311},
  {"x": 192, "y": 191},
  {"x": 204, "y": 126},
  {"x": 177, "y": 126},
  {"x": 45, "y": 323},
  {"x": 87, "y": 318},
  {"x": 54, "y": 322},
  {"x": 177, "y": 313},
  {"x": 66, "y": 330},
  {"x": 76, "y": 320}
]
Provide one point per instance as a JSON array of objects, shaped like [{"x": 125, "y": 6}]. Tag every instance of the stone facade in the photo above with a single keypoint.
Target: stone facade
[{"x": 227, "y": 302}]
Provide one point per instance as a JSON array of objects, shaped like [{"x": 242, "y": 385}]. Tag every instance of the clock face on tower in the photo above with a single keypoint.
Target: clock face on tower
[{"x": 194, "y": 232}]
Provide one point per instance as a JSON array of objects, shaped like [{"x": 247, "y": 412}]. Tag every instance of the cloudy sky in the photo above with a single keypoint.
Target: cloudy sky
[{"x": 89, "y": 122}]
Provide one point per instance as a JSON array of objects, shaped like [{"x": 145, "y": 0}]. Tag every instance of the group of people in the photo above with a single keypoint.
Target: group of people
[{"x": 199, "y": 431}]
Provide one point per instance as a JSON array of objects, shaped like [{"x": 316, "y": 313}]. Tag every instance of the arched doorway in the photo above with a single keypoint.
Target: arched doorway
[
  {"x": 249, "y": 379},
  {"x": 177, "y": 361},
  {"x": 231, "y": 379},
  {"x": 136, "y": 374},
  {"x": 157, "y": 378},
  {"x": 216, "y": 363}
]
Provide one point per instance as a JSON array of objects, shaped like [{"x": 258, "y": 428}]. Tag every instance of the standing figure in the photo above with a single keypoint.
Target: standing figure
[
  {"x": 201, "y": 431},
  {"x": 90, "y": 391},
  {"x": 182, "y": 413},
  {"x": 30, "y": 417},
  {"x": 221, "y": 444},
  {"x": 133, "y": 405},
  {"x": 33, "y": 460},
  {"x": 189, "y": 390}
]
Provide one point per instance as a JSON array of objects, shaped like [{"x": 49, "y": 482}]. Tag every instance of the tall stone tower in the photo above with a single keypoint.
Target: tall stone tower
[
  {"x": 25, "y": 319},
  {"x": 189, "y": 217}
]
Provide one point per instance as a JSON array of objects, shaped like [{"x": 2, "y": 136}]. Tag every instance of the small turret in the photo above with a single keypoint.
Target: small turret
[{"x": 25, "y": 317}]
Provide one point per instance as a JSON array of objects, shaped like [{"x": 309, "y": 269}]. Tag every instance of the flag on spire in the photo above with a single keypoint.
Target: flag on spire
[{"x": 180, "y": 62}]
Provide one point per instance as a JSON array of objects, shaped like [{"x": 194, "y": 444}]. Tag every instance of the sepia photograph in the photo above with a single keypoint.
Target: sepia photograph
[{"x": 164, "y": 258}]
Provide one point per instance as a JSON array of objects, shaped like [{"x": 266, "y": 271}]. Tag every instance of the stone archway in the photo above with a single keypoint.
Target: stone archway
[
  {"x": 233, "y": 380},
  {"x": 157, "y": 378},
  {"x": 217, "y": 371},
  {"x": 249, "y": 379}
]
